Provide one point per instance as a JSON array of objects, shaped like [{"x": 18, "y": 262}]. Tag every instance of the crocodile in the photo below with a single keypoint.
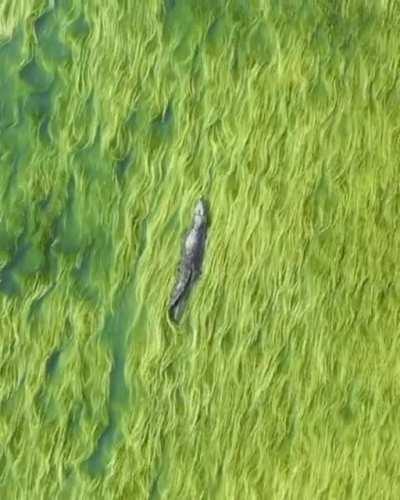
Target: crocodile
[{"x": 192, "y": 259}]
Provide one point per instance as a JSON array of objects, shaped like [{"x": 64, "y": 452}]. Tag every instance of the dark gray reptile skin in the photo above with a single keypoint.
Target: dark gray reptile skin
[{"x": 192, "y": 260}]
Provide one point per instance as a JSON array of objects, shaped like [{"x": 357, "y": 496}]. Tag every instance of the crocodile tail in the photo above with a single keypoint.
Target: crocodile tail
[{"x": 181, "y": 289}]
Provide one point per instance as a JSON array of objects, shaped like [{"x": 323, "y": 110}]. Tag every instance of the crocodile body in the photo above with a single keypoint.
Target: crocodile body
[{"x": 192, "y": 260}]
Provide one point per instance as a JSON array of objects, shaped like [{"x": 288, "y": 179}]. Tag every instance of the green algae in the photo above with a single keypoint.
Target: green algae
[{"x": 281, "y": 381}]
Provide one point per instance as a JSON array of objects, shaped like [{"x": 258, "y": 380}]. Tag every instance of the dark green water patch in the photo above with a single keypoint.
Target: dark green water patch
[
  {"x": 44, "y": 203},
  {"x": 39, "y": 103},
  {"x": 241, "y": 11},
  {"x": 8, "y": 101},
  {"x": 10, "y": 50},
  {"x": 14, "y": 167},
  {"x": 53, "y": 363},
  {"x": 93, "y": 265},
  {"x": 46, "y": 406},
  {"x": 44, "y": 23},
  {"x": 119, "y": 395},
  {"x": 89, "y": 157},
  {"x": 34, "y": 74},
  {"x": 218, "y": 34},
  {"x": 30, "y": 261},
  {"x": 162, "y": 126},
  {"x": 332, "y": 31},
  {"x": 214, "y": 30},
  {"x": 78, "y": 29},
  {"x": 155, "y": 488},
  {"x": 47, "y": 31},
  {"x": 116, "y": 335},
  {"x": 238, "y": 57},
  {"x": 74, "y": 417},
  {"x": 69, "y": 225},
  {"x": 134, "y": 119},
  {"x": 6, "y": 240},
  {"x": 14, "y": 143},
  {"x": 169, "y": 5},
  {"x": 261, "y": 43},
  {"x": 346, "y": 412},
  {"x": 284, "y": 360},
  {"x": 103, "y": 254},
  {"x": 8, "y": 283},
  {"x": 119, "y": 390},
  {"x": 96, "y": 463},
  {"x": 325, "y": 202},
  {"x": 178, "y": 20},
  {"x": 122, "y": 166},
  {"x": 50, "y": 254},
  {"x": 40, "y": 107},
  {"x": 83, "y": 275},
  {"x": 20, "y": 249},
  {"x": 82, "y": 270},
  {"x": 26, "y": 259},
  {"x": 38, "y": 303},
  {"x": 45, "y": 134}
]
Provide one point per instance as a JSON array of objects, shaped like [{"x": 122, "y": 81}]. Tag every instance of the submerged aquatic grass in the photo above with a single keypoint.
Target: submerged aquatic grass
[{"x": 282, "y": 380}]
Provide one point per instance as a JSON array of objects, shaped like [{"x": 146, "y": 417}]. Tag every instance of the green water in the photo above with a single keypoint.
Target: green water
[{"x": 282, "y": 381}]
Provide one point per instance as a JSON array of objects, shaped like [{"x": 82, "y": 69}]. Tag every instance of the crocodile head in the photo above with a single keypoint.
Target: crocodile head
[{"x": 200, "y": 213}]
